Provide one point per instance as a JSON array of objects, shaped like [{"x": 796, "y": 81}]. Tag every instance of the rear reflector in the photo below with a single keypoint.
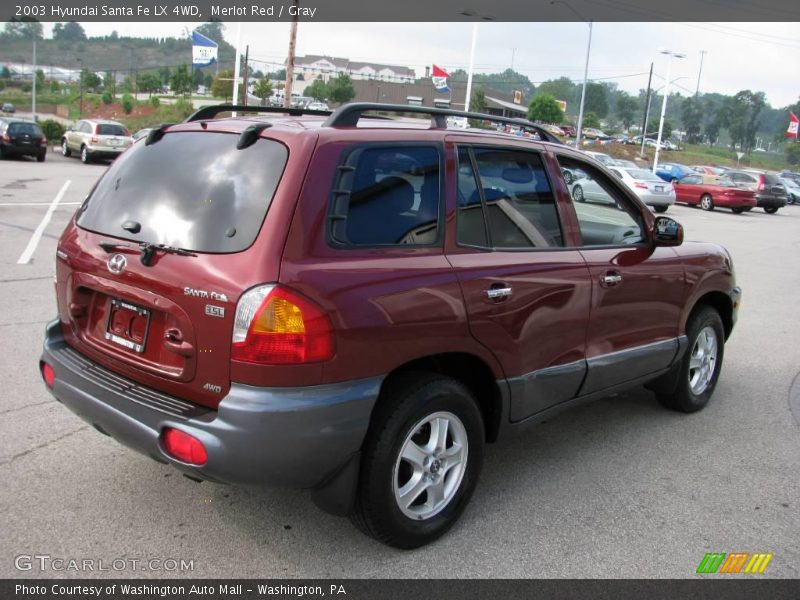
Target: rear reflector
[
  {"x": 275, "y": 325},
  {"x": 184, "y": 447},
  {"x": 49, "y": 375}
]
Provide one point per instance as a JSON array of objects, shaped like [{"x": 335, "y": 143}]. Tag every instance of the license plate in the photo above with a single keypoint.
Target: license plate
[
  {"x": 113, "y": 142},
  {"x": 128, "y": 325},
  {"x": 659, "y": 188}
]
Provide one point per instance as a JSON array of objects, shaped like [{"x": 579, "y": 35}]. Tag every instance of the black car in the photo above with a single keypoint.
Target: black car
[
  {"x": 770, "y": 191},
  {"x": 22, "y": 138}
]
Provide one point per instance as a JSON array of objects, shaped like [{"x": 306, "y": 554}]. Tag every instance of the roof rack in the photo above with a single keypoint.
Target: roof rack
[
  {"x": 348, "y": 115},
  {"x": 211, "y": 111}
]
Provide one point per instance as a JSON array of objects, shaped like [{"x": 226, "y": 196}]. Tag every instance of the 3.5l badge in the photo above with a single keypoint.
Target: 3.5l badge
[{"x": 215, "y": 311}]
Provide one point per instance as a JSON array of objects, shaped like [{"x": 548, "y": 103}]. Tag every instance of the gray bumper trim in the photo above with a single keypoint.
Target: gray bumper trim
[{"x": 294, "y": 437}]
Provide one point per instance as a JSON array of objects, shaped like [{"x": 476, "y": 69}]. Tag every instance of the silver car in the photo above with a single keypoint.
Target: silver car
[
  {"x": 94, "y": 139},
  {"x": 651, "y": 189}
]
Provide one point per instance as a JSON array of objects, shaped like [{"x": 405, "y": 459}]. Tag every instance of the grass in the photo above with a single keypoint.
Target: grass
[{"x": 695, "y": 154}]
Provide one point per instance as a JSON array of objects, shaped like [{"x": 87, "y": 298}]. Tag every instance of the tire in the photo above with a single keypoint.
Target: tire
[
  {"x": 661, "y": 209},
  {"x": 577, "y": 194},
  {"x": 65, "y": 151},
  {"x": 738, "y": 210},
  {"x": 706, "y": 202},
  {"x": 770, "y": 210},
  {"x": 85, "y": 158},
  {"x": 41, "y": 157},
  {"x": 568, "y": 178},
  {"x": 402, "y": 423},
  {"x": 699, "y": 369},
  {"x": 748, "y": 209}
]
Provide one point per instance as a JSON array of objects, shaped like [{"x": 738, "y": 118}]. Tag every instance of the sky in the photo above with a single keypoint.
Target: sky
[{"x": 756, "y": 56}]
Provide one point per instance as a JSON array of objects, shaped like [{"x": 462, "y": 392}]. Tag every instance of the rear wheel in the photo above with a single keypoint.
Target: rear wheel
[
  {"x": 738, "y": 210},
  {"x": 770, "y": 210},
  {"x": 65, "y": 148},
  {"x": 700, "y": 366},
  {"x": 706, "y": 203},
  {"x": 421, "y": 461},
  {"x": 85, "y": 158},
  {"x": 661, "y": 209},
  {"x": 568, "y": 178},
  {"x": 577, "y": 194},
  {"x": 40, "y": 157}
]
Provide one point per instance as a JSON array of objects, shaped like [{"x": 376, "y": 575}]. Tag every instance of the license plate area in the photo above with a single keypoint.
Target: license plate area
[
  {"x": 659, "y": 188},
  {"x": 128, "y": 325}
]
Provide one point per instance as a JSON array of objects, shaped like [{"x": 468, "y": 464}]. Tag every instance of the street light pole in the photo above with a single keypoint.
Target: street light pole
[
  {"x": 669, "y": 53},
  {"x": 585, "y": 69},
  {"x": 80, "y": 84},
  {"x": 33, "y": 89},
  {"x": 700, "y": 72}
]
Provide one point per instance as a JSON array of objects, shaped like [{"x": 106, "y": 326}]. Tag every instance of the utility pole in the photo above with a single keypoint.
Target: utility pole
[
  {"x": 80, "y": 83},
  {"x": 287, "y": 90},
  {"x": 646, "y": 111},
  {"x": 246, "y": 67},
  {"x": 702, "y": 54},
  {"x": 513, "y": 52},
  {"x": 33, "y": 98}
]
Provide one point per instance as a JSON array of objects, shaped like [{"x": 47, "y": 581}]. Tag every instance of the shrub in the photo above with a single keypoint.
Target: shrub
[
  {"x": 107, "y": 98},
  {"x": 127, "y": 104},
  {"x": 155, "y": 101},
  {"x": 53, "y": 130}
]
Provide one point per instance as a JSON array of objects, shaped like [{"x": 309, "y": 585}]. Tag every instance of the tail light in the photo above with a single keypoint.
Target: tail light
[
  {"x": 641, "y": 185},
  {"x": 94, "y": 140},
  {"x": 43, "y": 142},
  {"x": 6, "y": 138},
  {"x": 186, "y": 448},
  {"x": 274, "y": 325},
  {"x": 762, "y": 184},
  {"x": 48, "y": 374}
]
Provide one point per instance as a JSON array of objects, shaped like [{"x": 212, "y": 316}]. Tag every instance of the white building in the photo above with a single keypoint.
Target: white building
[{"x": 314, "y": 66}]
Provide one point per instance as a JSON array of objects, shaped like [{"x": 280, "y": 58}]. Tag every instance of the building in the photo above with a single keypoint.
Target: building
[{"x": 313, "y": 67}]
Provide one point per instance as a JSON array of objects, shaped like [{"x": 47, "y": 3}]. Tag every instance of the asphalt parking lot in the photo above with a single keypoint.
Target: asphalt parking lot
[{"x": 618, "y": 488}]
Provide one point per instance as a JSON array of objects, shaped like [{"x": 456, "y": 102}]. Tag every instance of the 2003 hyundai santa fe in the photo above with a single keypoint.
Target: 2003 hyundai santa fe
[{"x": 356, "y": 305}]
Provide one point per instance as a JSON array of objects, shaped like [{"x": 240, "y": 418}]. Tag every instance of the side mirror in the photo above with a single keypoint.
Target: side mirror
[{"x": 667, "y": 232}]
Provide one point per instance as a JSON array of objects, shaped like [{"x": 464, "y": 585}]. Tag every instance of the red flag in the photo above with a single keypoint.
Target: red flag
[
  {"x": 439, "y": 78},
  {"x": 793, "y": 125}
]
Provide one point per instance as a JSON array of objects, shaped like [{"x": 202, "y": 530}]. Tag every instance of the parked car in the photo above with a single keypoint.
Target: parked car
[
  {"x": 651, "y": 189},
  {"x": 283, "y": 301},
  {"x": 602, "y": 158},
  {"x": 8, "y": 108},
  {"x": 628, "y": 164},
  {"x": 694, "y": 190},
  {"x": 672, "y": 172},
  {"x": 318, "y": 106},
  {"x": 770, "y": 191},
  {"x": 95, "y": 139},
  {"x": 569, "y": 130},
  {"x": 708, "y": 170},
  {"x": 586, "y": 189},
  {"x": 591, "y": 133},
  {"x": 792, "y": 191},
  {"x": 141, "y": 133},
  {"x": 22, "y": 138}
]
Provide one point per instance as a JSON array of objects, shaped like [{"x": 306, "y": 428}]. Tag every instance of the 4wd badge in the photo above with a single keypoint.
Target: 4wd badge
[{"x": 215, "y": 311}]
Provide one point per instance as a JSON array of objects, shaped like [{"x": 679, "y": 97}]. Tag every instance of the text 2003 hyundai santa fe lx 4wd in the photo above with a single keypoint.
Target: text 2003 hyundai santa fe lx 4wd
[{"x": 356, "y": 305}]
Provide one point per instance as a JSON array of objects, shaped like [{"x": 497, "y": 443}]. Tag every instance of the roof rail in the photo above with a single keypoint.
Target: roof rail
[
  {"x": 348, "y": 115},
  {"x": 211, "y": 111}
]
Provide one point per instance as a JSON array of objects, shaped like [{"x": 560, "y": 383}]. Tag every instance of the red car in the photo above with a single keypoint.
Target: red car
[
  {"x": 693, "y": 190},
  {"x": 708, "y": 170},
  {"x": 355, "y": 306}
]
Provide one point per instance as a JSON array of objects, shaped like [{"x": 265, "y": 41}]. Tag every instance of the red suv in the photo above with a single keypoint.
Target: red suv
[{"x": 355, "y": 305}]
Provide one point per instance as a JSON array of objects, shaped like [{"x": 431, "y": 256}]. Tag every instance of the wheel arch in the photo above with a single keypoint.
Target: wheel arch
[{"x": 720, "y": 302}]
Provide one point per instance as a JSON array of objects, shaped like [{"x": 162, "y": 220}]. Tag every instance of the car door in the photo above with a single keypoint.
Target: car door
[
  {"x": 74, "y": 137},
  {"x": 637, "y": 288},
  {"x": 687, "y": 190},
  {"x": 527, "y": 296}
]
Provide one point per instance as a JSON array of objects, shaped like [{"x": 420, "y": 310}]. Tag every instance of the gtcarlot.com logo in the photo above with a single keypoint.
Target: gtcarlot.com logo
[
  {"x": 45, "y": 562},
  {"x": 735, "y": 562}
]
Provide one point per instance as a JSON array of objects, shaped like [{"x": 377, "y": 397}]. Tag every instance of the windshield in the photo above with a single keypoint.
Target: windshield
[{"x": 191, "y": 190}]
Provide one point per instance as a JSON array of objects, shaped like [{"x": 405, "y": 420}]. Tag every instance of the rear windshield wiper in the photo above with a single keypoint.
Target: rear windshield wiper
[{"x": 147, "y": 249}]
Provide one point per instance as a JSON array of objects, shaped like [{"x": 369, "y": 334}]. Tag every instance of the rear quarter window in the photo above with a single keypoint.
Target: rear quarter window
[{"x": 191, "y": 190}]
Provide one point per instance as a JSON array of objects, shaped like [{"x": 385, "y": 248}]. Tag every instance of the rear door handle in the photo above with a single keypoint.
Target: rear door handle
[{"x": 611, "y": 279}]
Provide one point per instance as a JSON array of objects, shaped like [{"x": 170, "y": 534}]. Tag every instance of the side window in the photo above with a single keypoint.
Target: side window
[
  {"x": 692, "y": 180},
  {"x": 605, "y": 215},
  {"x": 617, "y": 173},
  {"x": 510, "y": 202},
  {"x": 387, "y": 196}
]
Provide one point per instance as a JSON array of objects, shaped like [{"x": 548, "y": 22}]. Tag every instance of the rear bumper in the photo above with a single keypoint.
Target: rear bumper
[
  {"x": 770, "y": 201},
  {"x": 293, "y": 437},
  {"x": 105, "y": 151},
  {"x": 11, "y": 150}
]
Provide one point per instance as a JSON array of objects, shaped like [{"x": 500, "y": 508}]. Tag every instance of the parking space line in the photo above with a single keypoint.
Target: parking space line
[{"x": 27, "y": 254}]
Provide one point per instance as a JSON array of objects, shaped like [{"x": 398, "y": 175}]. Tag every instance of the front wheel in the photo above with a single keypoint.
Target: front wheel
[
  {"x": 738, "y": 210},
  {"x": 568, "y": 178},
  {"x": 420, "y": 461},
  {"x": 770, "y": 210},
  {"x": 65, "y": 148},
  {"x": 85, "y": 158},
  {"x": 577, "y": 194},
  {"x": 661, "y": 209},
  {"x": 700, "y": 366},
  {"x": 706, "y": 203}
]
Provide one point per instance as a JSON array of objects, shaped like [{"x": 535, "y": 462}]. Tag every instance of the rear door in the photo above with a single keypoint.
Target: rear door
[
  {"x": 112, "y": 136},
  {"x": 637, "y": 289},
  {"x": 527, "y": 295},
  {"x": 166, "y": 319}
]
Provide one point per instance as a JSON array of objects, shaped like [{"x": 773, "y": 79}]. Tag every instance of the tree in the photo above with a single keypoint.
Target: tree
[
  {"x": 478, "y": 101},
  {"x": 70, "y": 32},
  {"x": 561, "y": 89},
  {"x": 212, "y": 30},
  {"x": 181, "y": 81},
  {"x": 263, "y": 89},
  {"x": 793, "y": 153},
  {"x": 712, "y": 130},
  {"x": 341, "y": 89},
  {"x": 90, "y": 79},
  {"x": 165, "y": 74},
  {"x": 127, "y": 104},
  {"x": 667, "y": 131},
  {"x": 626, "y": 109},
  {"x": 55, "y": 87},
  {"x": 149, "y": 82},
  {"x": 692, "y": 117},
  {"x": 280, "y": 75},
  {"x": 596, "y": 100},
  {"x": 39, "y": 79},
  {"x": 5, "y": 73},
  {"x": 591, "y": 119},
  {"x": 318, "y": 90},
  {"x": 24, "y": 28},
  {"x": 545, "y": 108},
  {"x": 222, "y": 86},
  {"x": 198, "y": 78}
]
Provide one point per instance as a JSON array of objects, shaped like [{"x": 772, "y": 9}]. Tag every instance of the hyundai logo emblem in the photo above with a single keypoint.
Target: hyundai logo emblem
[{"x": 117, "y": 263}]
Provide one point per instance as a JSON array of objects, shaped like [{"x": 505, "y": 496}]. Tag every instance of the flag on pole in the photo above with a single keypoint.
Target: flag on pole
[
  {"x": 439, "y": 78},
  {"x": 793, "y": 124},
  {"x": 204, "y": 50}
]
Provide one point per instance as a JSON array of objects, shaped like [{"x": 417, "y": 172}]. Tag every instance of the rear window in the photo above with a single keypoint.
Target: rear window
[
  {"x": 770, "y": 179},
  {"x": 108, "y": 129},
  {"x": 191, "y": 190},
  {"x": 23, "y": 128},
  {"x": 643, "y": 175}
]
